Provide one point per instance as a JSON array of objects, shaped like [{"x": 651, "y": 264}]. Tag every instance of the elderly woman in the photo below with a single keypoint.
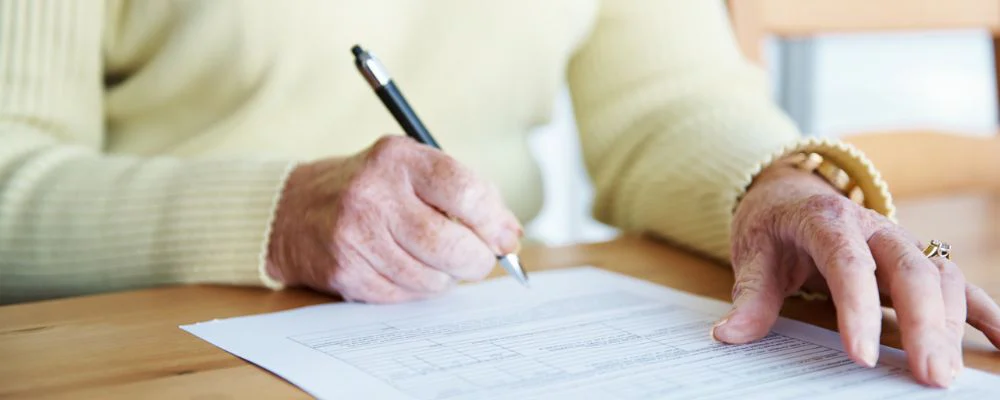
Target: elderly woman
[{"x": 161, "y": 142}]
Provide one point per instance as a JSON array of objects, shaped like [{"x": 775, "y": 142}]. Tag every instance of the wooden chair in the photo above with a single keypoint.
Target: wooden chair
[{"x": 914, "y": 163}]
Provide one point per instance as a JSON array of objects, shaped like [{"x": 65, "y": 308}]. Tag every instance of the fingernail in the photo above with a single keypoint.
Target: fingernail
[
  {"x": 939, "y": 374},
  {"x": 869, "y": 353},
  {"x": 714, "y": 327}
]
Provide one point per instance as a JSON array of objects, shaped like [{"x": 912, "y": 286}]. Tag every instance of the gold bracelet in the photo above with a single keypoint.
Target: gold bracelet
[{"x": 832, "y": 174}]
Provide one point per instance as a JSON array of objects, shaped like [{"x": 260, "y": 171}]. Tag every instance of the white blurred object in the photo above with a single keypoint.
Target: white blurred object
[
  {"x": 916, "y": 80},
  {"x": 565, "y": 217}
]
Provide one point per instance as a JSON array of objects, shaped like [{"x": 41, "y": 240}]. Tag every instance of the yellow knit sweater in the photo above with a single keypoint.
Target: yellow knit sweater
[{"x": 145, "y": 143}]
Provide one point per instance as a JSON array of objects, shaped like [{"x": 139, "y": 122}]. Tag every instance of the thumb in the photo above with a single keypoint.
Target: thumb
[{"x": 757, "y": 299}]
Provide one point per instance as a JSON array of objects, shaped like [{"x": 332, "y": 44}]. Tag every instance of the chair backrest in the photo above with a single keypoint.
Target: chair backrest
[
  {"x": 754, "y": 20},
  {"x": 961, "y": 162}
]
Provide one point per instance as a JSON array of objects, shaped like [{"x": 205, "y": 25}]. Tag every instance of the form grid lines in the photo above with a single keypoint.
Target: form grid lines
[{"x": 540, "y": 347}]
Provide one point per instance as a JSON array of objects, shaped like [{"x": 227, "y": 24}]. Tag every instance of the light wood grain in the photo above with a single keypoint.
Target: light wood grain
[
  {"x": 754, "y": 19},
  {"x": 932, "y": 163},
  {"x": 128, "y": 345}
]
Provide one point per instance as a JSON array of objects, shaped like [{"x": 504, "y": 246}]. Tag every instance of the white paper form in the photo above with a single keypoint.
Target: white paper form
[{"x": 581, "y": 333}]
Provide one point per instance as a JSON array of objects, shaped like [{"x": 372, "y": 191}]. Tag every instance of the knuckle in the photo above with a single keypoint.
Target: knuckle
[
  {"x": 949, "y": 271},
  {"x": 833, "y": 239},
  {"x": 828, "y": 206},
  {"x": 881, "y": 237},
  {"x": 445, "y": 166},
  {"x": 822, "y": 228},
  {"x": 844, "y": 256},
  {"x": 468, "y": 197},
  {"x": 425, "y": 234},
  {"x": 918, "y": 322},
  {"x": 389, "y": 148},
  {"x": 426, "y": 230},
  {"x": 956, "y": 326},
  {"x": 871, "y": 220},
  {"x": 749, "y": 237},
  {"x": 909, "y": 266},
  {"x": 467, "y": 189},
  {"x": 488, "y": 192},
  {"x": 472, "y": 198},
  {"x": 748, "y": 281},
  {"x": 894, "y": 237}
]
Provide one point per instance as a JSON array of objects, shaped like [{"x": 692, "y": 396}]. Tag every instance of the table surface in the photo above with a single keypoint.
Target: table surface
[{"x": 128, "y": 345}]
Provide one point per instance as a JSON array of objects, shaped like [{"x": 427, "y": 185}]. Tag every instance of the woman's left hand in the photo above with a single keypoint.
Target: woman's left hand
[{"x": 793, "y": 230}]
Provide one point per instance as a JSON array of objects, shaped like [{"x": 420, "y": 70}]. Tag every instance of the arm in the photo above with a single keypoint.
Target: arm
[
  {"x": 675, "y": 124},
  {"x": 75, "y": 221}
]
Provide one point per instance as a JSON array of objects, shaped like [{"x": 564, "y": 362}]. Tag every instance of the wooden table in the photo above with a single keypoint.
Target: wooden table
[{"x": 128, "y": 345}]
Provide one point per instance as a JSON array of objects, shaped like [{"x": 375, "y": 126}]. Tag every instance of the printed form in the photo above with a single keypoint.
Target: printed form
[{"x": 581, "y": 333}]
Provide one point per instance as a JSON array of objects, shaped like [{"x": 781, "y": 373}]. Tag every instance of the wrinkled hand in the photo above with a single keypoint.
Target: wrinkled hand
[
  {"x": 793, "y": 229},
  {"x": 399, "y": 221}
]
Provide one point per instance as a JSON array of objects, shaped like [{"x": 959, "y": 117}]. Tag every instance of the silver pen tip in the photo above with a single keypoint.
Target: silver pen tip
[{"x": 512, "y": 264}]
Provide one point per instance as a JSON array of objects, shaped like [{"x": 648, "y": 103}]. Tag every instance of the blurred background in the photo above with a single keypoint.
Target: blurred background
[{"x": 832, "y": 85}]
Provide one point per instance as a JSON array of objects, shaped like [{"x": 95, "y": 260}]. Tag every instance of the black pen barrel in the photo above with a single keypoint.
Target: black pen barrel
[{"x": 404, "y": 114}]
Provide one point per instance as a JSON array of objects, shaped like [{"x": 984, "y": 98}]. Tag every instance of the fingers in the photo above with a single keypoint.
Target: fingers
[
  {"x": 843, "y": 258},
  {"x": 361, "y": 283},
  {"x": 757, "y": 298},
  {"x": 402, "y": 269},
  {"x": 442, "y": 244},
  {"x": 850, "y": 275},
  {"x": 369, "y": 266},
  {"x": 443, "y": 183},
  {"x": 915, "y": 286},
  {"x": 953, "y": 295},
  {"x": 983, "y": 313}
]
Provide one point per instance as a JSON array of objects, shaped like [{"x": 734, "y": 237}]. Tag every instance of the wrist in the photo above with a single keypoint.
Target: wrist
[
  {"x": 283, "y": 223},
  {"x": 788, "y": 171},
  {"x": 815, "y": 170},
  {"x": 843, "y": 167}
]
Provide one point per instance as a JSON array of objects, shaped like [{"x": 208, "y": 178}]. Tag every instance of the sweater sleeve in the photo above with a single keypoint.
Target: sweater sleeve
[
  {"x": 76, "y": 221},
  {"x": 675, "y": 123}
]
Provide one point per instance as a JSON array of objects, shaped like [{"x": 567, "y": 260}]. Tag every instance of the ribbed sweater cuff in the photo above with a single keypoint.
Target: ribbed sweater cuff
[{"x": 234, "y": 248}]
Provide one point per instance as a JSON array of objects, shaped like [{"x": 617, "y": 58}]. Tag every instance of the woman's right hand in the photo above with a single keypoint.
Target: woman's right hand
[{"x": 399, "y": 221}]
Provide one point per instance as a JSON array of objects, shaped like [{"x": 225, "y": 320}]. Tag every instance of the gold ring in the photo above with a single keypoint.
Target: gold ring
[{"x": 938, "y": 248}]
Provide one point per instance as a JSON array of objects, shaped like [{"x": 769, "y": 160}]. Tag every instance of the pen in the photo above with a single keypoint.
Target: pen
[{"x": 380, "y": 81}]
